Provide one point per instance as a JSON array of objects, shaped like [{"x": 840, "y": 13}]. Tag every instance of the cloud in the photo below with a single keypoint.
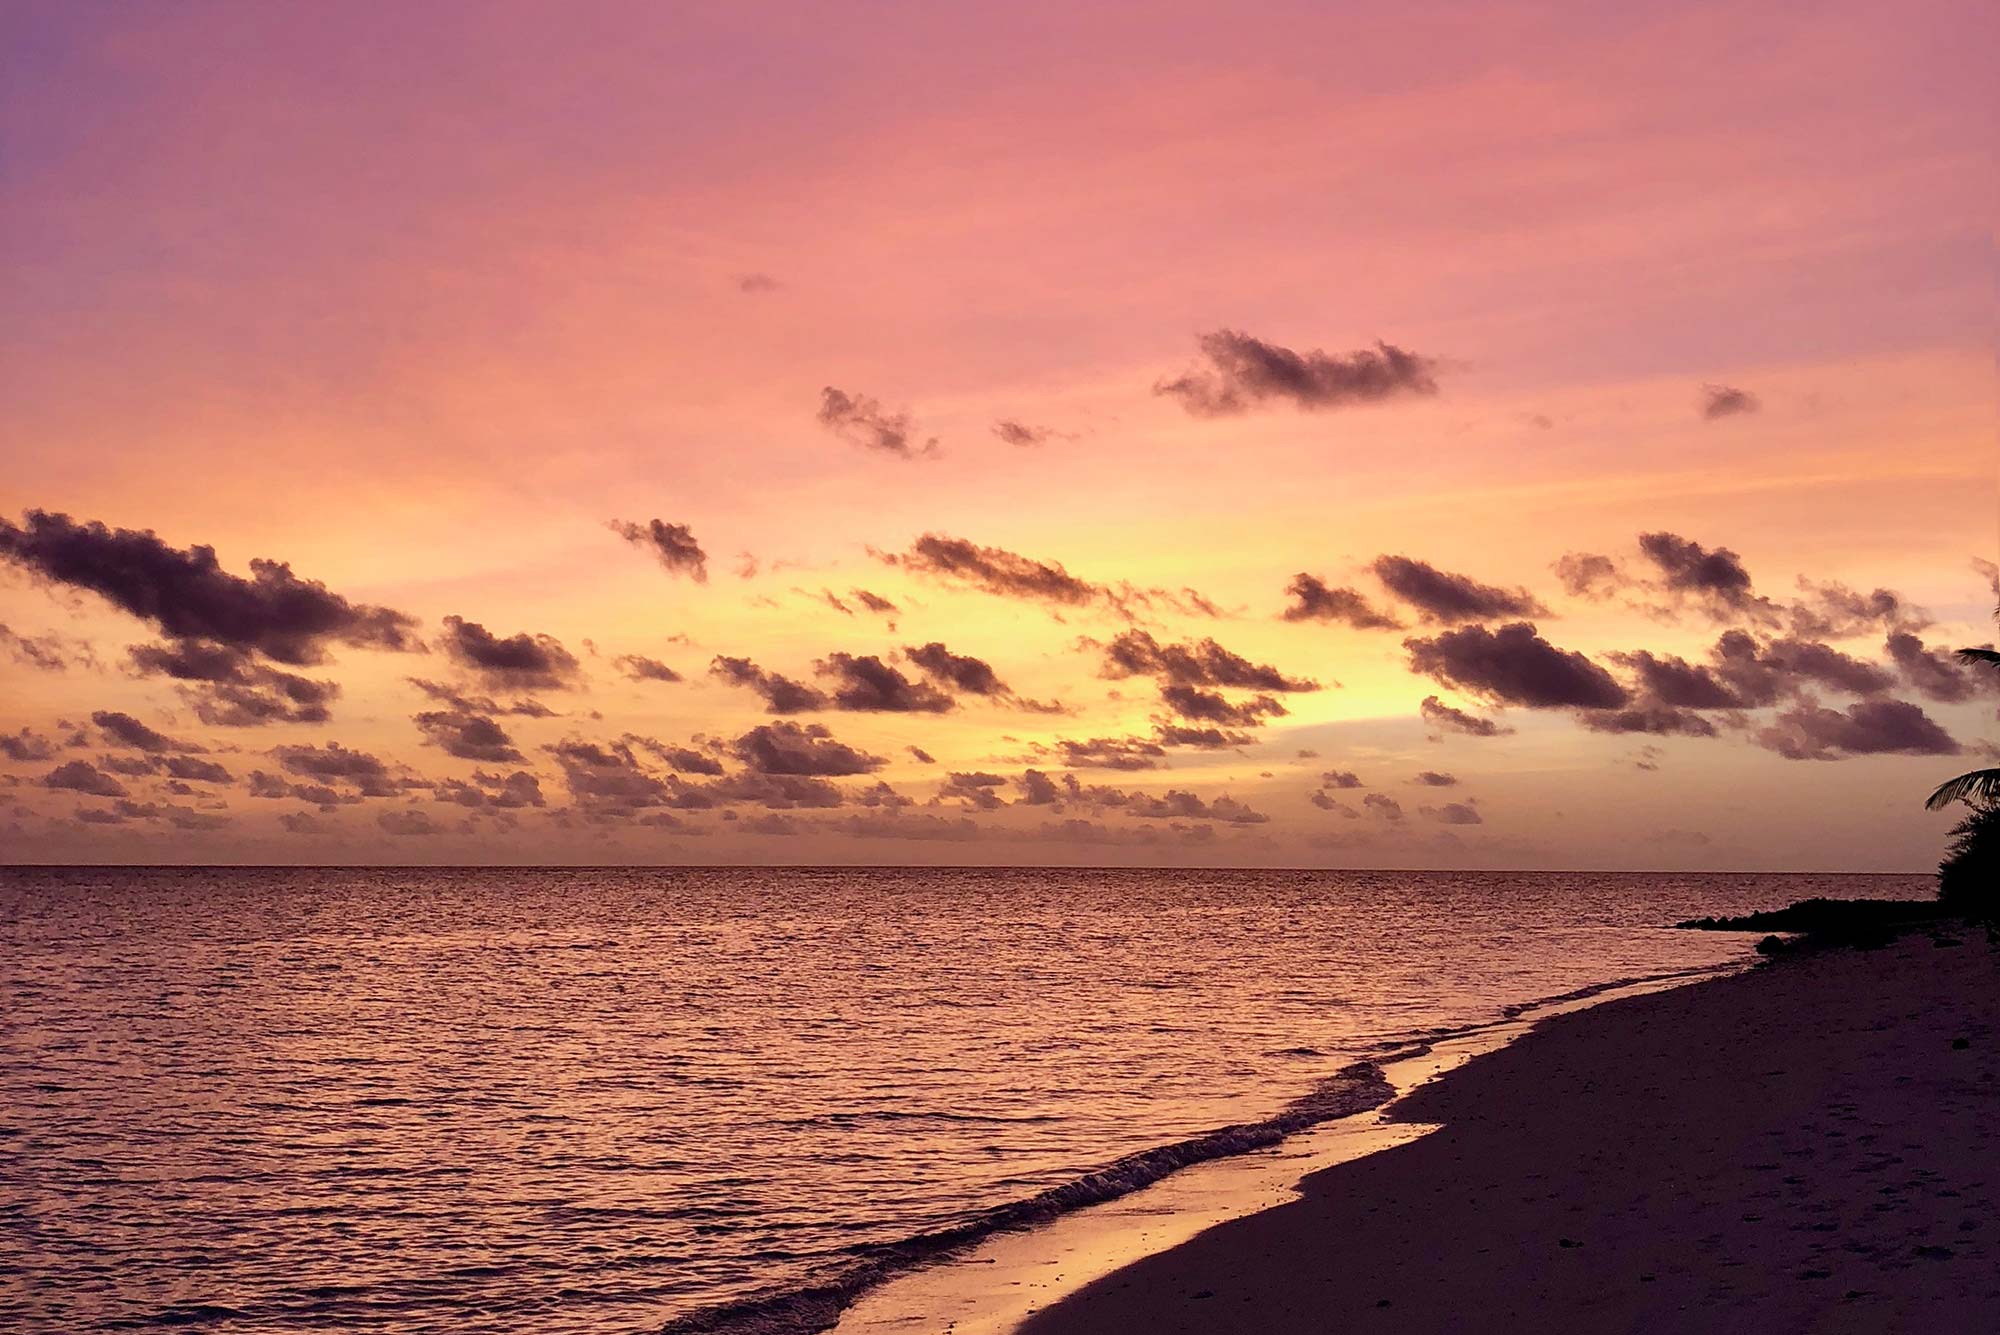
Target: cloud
[
  {"x": 522, "y": 662},
  {"x": 921, "y": 756},
  {"x": 80, "y": 776},
  {"x": 978, "y": 791},
  {"x": 188, "y": 595},
  {"x": 958, "y": 672},
  {"x": 1453, "y": 813},
  {"x": 1008, "y": 574},
  {"x": 508, "y": 792},
  {"x": 193, "y": 769},
  {"x": 124, "y": 730},
  {"x": 684, "y": 759},
  {"x": 874, "y": 602},
  {"x": 1387, "y": 808},
  {"x": 1203, "y": 738},
  {"x": 756, "y": 284},
  {"x": 861, "y": 421},
  {"x": 467, "y": 736},
  {"x": 1443, "y": 597},
  {"x": 1312, "y": 600},
  {"x": 44, "y": 653},
  {"x": 1445, "y": 718},
  {"x": 408, "y": 822},
  {"x": 1243, "y": 372},
  {"x": 1020, "y": 433},
  {"x": 1808, "y": 661},
  {"x": 1717, "y": 578},
  {"x": 996, "y": 571},
  {"x": 640, "y": 668},
  {"x": 526, "y": 706},
  {"x": 673, "y": 544},
  {"x": 1516, "y": 666},
  {"x": 1337, "y": 807},
  {"x": 1191, "y": 702},
  {"x": 1119, "y": 753},
  {"x": 1931, "y": 674},
  {"x": 26, "y": 745},
  {"x": 1340, "y": 778},
  {"x": 1719, "y": 401},
  {"x": 1174, "y": 804},
  {"x": 1201, "y": 663},
  {"x": 229, "y": 690},
  {"x": 1870, "y": 727},
  {"x": 1431, "y": 778},
  {"x": 789, "y": 748},
  {"x": 782, "y": 695},
  {"x": 1831, "y": 610},
  {"x": 332, "y": 763},
  {"x": 607, "y": 781},
  {"x": 1588, "y": 575},
  {"x": 1648, "y": 716},
  {"x": 1674, "y": 681},
  {"x": 867, "y": 684}
]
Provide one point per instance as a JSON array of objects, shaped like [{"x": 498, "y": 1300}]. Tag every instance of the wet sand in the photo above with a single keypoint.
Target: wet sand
[{"x": 1811, "y": 1146}]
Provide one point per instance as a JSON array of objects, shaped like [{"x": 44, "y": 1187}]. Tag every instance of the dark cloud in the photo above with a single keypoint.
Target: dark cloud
[
  {"x": 860, "y": 420},
  {"x": 1809, "y": 661},
  {"x": 1340, "y": 778},
  {"x": 228, "y": 689},
  {"x": 996, "y": 571},
  {"x": 408, "y": 821},
  {"x": 978, "y": 791},
  {"x": 80, "y": 776},
  {"x": 1020, "y": 433},
  {"x": 874, "y": 602},
  {"x": 1243, "y": 372},
  {"x": 1312, "y": 600},
  {"x": 1441, "y": 596},
  {"x": 1516, "y": 666},
  {"x": 905, "y": 825},
  {"x": 194, "y": 769},
  {"x": 1008, "y": 574},
  {"x": 1809, "y": 731},
  {"x": 1588, "y": 575},
  {"x": 1204, "y": 738},
  {"x": 607, "y": 781},
  {"x": 1038, "y": 789},
  {"x": 1388, "y": 808},
  {"x": 26, "y": 745},
  {"x": 684, "y": 759},
  {"x": 188, "y": 595},
  {"x": 521, "y": 662},
  {"x": 525, "y": 706},
  {"x": 1337, "y": 807},
  {"x": 1190, "y": 702},
  {"x": 755, "y": 284},
  {"x": 1648, "y": 716},
  {"x": 782, "y": 695},
  {"x": 957, "y": 672},
  {"x": 1174, "y": 804},
  {"x": 124, "y": 730},
  {"x": 1717, "y": 578},
  {"x": 1933, "y": 675},
  {"x": 1119, "y": 753},
  {"x": 1726, "y": 401},
  {"x": 1446, "y": 718},
  {"x": 1431, "y": 778},
  {"x": 1832, "y": 611},
  {"x": 865, "y": 683},
  {"x": 922, "y": 756},
  {"x": 1453, "y": 813},
  {"x": 640, "y": 668},
  {"x": 334, "y": 763},
  {"x": 1204, "y": 663},
  {"x": 1673, "y": 681},
  {"x": 673, "y": 544},
  {"x": 44, "y": 653},
  {"x": 789, "y": 748},
  {"x": 467, "y": 736},
  {"x": 777, "y": 792}
]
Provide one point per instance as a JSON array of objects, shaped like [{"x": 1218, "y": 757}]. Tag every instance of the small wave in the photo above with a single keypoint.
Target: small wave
[{"x": 1355, "y": 1088}]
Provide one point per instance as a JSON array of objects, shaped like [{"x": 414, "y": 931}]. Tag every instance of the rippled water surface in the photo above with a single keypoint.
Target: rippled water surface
[{"x": 542, "y": 1101}]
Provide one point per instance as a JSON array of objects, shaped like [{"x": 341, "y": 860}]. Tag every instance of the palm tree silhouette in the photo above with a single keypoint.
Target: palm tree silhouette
[{"x": 1981, "y": 785}]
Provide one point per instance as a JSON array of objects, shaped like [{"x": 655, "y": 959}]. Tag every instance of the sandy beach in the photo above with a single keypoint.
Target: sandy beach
[{"x": 1810, "y": 1146}]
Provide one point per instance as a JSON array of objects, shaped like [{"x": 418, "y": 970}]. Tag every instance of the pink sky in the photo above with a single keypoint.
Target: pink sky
[{"x": 418, "y": 302}]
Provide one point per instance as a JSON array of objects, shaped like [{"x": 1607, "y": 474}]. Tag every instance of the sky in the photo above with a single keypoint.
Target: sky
[{"x": 1516, "y": 435}]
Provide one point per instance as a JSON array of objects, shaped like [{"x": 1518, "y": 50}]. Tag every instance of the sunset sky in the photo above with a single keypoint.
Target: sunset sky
[{"x": 1547, "y": 435}]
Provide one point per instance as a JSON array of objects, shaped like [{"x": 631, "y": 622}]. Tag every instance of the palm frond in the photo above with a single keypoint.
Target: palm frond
[
  {"x": 1990, "y": 656},
  {"x": 1981, "y": 785}
]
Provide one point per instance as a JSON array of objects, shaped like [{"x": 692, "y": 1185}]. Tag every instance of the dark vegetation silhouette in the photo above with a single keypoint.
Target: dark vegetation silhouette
[{"x": 1969, "y": 876}]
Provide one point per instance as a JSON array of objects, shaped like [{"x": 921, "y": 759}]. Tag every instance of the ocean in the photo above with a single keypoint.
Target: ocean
[{"x": 538, "y": 1101}]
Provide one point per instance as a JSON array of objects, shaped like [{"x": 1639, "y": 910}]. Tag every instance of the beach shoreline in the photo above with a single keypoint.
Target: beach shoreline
[{"x": 1809, "y": 1145}]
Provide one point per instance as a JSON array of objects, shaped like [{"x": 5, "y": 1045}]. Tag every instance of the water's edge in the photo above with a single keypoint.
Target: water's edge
[{"x": 1359, "y": 1087}]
